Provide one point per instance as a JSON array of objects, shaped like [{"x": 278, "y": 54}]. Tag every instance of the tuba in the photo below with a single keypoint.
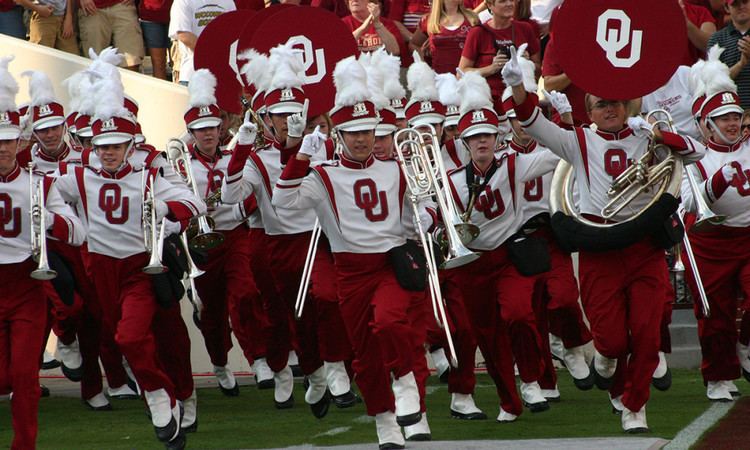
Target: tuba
[
  {"x": 201, "y": 234},
  {"x": 38, "y": 215},
  {"x": 153, "y": 239}
]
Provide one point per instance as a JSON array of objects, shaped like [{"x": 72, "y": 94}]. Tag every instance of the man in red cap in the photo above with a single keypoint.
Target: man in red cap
[
  {"x": 24, "y": 306},
  {"x": 112, "y": 201}
]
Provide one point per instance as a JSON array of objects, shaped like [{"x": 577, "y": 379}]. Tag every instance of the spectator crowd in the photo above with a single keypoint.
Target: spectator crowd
[{"x": 450, "y": 35}]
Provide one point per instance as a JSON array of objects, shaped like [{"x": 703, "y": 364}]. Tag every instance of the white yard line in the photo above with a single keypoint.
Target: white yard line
[{"x": 691, "y": 433}]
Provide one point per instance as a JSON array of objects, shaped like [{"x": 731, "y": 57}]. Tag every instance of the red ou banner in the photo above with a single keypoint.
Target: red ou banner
[{"x": 620, "y": 49}]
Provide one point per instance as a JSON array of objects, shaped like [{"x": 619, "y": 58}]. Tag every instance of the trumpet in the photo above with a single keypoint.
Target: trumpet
[
  {"x": 38, "y": 215},
  {"x": 153, "y": 239},
  {"x": 201, "y": 236}
]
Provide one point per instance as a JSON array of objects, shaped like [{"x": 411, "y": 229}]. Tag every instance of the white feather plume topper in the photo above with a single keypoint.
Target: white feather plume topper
[
  {"x": 202, "y": 88},
  {"x": 87, "y": 100},
  {"x": 375, "y": 80},
  {"x": 110, "y": 98},
  {"x": 255, "y": 67},
  {"x": 106, "y": 62},
  {"x": 715, "y": 74},
  {"x": 420, "y": 78},
  {"x": 390, "y": 66},
  {"x": 73, "y": 86},
  {"x": 350, "y": 79},
  {"x": 447, "y": 86},
  {"x": 475, "y": 92},
  {"x": 41, "y": 91},
  {"x": 288, "y": 67},
  {"x": 695, "y": 79},
  {"x": 8, "y": 85}
]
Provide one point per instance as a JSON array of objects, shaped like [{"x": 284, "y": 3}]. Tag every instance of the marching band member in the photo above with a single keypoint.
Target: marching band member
[
  {"x": 112, "y": 200},
  {"x": 227, "y": 288},
  {"x": 361, "y": 192},
  {"x": 288, "y": 232},
  {"x": 556, "y": 290},
  {"x": 497, "y": 297},
  {"x": 24, "y": 304},
  {"x": 723, "y": 184},
  {"x": 618, "y": 301}
]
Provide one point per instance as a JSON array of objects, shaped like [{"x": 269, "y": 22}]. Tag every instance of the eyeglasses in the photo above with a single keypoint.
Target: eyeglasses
[
  {"x": 602, "y": 104},
  {"x": 745, "y": 126}
]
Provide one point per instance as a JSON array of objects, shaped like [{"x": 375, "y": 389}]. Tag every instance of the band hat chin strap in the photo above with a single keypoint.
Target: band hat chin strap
[{"x": 715, "y": 129}]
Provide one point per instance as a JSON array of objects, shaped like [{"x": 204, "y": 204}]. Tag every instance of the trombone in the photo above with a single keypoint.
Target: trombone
[
  {"x": 153, "y": 240},
  {"x": 204, "y": 237},
  {"x": 38, "y": 215},
  {"x": 421, "y": 166}
]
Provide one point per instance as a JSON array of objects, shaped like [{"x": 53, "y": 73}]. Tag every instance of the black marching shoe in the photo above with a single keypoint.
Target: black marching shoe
[
  {"x": 390, "y": 446},
  {"x": 346, "y": 400},
  {"x": 602, "y": 383},
  {"x": 663, "y": 383},
  {"x": 320, "y": 409},
  {"x": 44, "y": 390},
  {"x": 585, "y": 384},
  {"x": 191, "y": 428},
  {"x": 409, "y": 419},
  {"x": 233, "y": 392},
  {"x": 286, "y": 404}
]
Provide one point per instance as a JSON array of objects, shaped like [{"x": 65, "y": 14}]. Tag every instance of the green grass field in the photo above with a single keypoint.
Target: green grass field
[{"x": 250, "y": 420}]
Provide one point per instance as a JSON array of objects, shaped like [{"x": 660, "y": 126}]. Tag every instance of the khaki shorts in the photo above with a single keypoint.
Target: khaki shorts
[
  {"x": 115, "y": 25},
  {"x": 47, "y": 31}
]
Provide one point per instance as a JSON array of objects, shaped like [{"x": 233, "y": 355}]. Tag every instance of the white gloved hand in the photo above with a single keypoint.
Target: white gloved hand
[
  {"x": 296, "y": 123},
  {"x": 248, "y": 131},
  {"x": 425, "y": 217},
  {"x": 161, "y": 209},
  {"x": 559, "y": 101},
  {"x": 313, "y": 142},
  {"x": 728, "y": 172},
  {"x": 640, "y": 126},
  {"x": 512, "y": 72},
  {"x": 171, "y": 227},
  {"x": 49, "y": 220}
]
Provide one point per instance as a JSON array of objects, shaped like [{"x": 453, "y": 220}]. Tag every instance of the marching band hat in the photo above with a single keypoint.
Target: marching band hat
[{"x": 203, "y": 111}]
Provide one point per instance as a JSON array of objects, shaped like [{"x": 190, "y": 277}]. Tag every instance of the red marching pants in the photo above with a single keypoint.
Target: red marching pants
[
  {"x": 266, "y": 288},
  {"x": 287, "y": 260},
  {"x": 129, "y": 307},
  {"x": 22, "y": 317},
  {"x": 461, "y": 379},
  {"x": 228, "y": 290},
  {"x": 498, "y": 302},
  {"x": 723, "y": 258},
  {"x": 333, "y": 341},
  {"x": 173, "y": 349},
  {"x": 623, "y": 297},
  {"x": 375, "y": 311}
]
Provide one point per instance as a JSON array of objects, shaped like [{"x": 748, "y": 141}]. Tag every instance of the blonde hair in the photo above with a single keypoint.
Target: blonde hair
[{"x": 437, "y": 12}]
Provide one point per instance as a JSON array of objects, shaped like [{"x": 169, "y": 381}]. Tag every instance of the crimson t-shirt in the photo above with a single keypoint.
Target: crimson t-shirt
[
  {"x": 576, "y": 95},
  {"x": 446, "y": 46},
  {"x": 370, "y": 40},
  {"x": 698, "y": 15},
  {"x": 483, "y": 42},
  {"x": 7, "y": 5}
]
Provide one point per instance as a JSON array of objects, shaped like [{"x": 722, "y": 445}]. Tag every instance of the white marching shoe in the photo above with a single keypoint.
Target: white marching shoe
[
  {"x": 49, "y": 361},
  {"x": 389, "y": 432},
  {"x": 98, "y": 403},
  {"x": 263, "y": 374},
  {"x": 617, "y": 405},
  {"x": 733, "y": 389},
  {"x": 72, "y": 362},
  {"x": 532, "y": 397},
  {"x": 463, "y": 407},
  {"x": 662, "y": 377},
  {"x": 442, "y": 366},
  {"x": 718, "y": 391},
  {"x": 634, "y": 422},
  {"x": 283, "y": 395},
  {"x": 190, "y": 415},
  {"x": 408, "y": 409},
  {"x": 551, "y": 395},
  {"x": 506, "y": 417},
  {"x": 227, "y": 382},
  {"x": 165, "y": 418},
  {"x": 123, "y": 392},
  {"x": 420, "y": 431},
  {"x": 339, "y": 384},
  {"x": 317, "y": 395},
  {"x": 604, "y": 369},
  {"x": 575, "y": 361}
]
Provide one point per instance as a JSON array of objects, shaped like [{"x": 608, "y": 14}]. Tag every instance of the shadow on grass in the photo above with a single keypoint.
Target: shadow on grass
[{"x": 250, "y": 420}]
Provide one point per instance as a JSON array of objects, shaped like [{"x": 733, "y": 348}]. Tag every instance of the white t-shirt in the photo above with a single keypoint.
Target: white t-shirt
[
  {"x": 541, "y": 10},
  {"x": 676, "y": 99},
  {"x": 193, "y": 16}
]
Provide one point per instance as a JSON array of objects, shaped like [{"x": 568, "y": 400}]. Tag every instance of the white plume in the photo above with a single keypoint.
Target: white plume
[
  {"x": 105, "y": 64},
  {"x": 8, "y": 85},
  {"x": 715, "y": 74},
  {"x": 288, "y": 67},
  {"x": 695, "y": 79},
  {"x": 110, "y": 97},
  {"x": 475, "y": 92},
  {"x": 255, "y": 66},
  {"x": 41, "y": 91},
  {"x": 87, "y": 100},
  {"x": 420, "y": 79},
  {"x": 73, "y": 85},
  {"x": 375, "y": 80},
  {"x": 390, "y": 66},
  {"x": 202, "y": 88},
  {"x": 350, "y": 79},
  {"x": 447, "y": 86}
]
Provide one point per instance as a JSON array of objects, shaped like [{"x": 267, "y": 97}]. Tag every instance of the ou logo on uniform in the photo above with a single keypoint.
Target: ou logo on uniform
[{"x": 612, "y": 40}]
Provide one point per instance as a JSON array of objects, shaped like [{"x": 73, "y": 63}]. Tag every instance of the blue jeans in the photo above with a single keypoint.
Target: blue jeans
[{"x": 11, "y": 23}]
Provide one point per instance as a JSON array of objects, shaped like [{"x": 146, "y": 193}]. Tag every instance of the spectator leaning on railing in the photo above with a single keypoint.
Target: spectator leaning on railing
[
  {"x": 111, "y": 22},
  {"x": 57, "y": 29}
]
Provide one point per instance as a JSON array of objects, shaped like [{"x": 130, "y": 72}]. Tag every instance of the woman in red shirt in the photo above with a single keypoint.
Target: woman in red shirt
[
  {"x": 487, "y": 46},
  {"x": 370, "y": 30},
  {"x": 446, "y": 26}
]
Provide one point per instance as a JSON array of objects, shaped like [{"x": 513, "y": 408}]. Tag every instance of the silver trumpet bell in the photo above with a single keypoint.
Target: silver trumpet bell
[
  {"x": 39, "y": 239},
  {"x": 153, "y": 240}
]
